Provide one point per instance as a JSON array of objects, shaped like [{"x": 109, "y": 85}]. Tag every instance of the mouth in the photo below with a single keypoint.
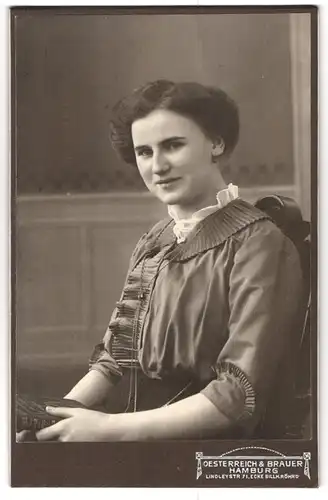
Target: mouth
[{"x": 167, "y": 182}]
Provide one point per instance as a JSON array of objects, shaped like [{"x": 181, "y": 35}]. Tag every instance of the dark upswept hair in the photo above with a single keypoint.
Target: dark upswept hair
[{"x": 210, "y": 108}]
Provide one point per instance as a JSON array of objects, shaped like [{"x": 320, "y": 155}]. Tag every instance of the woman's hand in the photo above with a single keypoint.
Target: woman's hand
[{"x": 80, "y": 425}]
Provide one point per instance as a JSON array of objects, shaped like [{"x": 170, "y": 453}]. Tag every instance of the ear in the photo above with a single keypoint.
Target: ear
[{"x": 218, "y": 148}]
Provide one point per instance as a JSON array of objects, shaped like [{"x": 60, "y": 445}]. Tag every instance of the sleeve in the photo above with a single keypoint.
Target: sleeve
[
  {"x": 265, "y": 289},
  {"x": 102, "y": 360}
]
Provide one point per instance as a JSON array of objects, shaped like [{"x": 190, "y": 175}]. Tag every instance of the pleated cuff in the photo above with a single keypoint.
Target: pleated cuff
[
  {"x": 103, "y": 362},
  {"x": 232, "y": 393}
]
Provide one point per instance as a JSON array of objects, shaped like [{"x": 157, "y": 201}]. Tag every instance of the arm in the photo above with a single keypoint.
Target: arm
[
  {"x": 91, "y": 390},
  {"x": 104, "y": 372},
  {"x": 265, "y": 290},
  {"x": 193, "y": 417}
]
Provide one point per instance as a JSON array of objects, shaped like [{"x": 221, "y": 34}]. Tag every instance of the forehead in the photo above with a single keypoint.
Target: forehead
[{"x": 160, "y": 125}]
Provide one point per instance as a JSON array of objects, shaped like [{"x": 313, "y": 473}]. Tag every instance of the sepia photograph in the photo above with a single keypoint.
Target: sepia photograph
[{"x": 164, "y": 246}]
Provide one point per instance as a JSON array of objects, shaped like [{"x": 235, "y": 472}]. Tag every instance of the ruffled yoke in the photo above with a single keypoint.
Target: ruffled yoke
[{"x": 131, "y": 311}]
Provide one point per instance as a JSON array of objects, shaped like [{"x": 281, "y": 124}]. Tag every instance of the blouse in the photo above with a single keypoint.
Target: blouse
[{"x": 219, "y": 307}]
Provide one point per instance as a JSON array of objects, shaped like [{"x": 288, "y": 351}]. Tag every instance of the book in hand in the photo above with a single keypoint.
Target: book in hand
[{"x": 31, "y": 413}]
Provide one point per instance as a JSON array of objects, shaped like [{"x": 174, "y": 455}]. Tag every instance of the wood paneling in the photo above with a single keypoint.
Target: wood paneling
[
  {"x": 112, "y": 248},
  {"x": 49, "y": 276},
  {"x": 72, "y": 257}
]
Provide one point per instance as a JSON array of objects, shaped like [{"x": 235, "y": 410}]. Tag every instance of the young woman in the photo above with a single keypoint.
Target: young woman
[{"x": 197, "y": 342}]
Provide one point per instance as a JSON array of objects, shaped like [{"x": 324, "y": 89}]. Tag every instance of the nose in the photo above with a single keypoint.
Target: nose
[{"x": 160, "y": 163}]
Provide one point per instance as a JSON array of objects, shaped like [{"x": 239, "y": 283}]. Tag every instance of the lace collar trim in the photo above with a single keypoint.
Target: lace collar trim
[{"x": 183, "y": 227}]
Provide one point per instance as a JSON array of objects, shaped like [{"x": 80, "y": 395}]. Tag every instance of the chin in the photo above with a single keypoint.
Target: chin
[
  {"x": 175, "y": 197},
  {"x": 169, "y": 198}
]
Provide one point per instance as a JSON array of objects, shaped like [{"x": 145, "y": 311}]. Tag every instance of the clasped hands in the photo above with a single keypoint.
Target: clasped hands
[{"x": 79, "y": 424}]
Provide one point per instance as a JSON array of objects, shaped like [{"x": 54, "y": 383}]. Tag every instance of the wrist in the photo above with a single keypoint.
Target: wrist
[{"x": 119, "y": 427}]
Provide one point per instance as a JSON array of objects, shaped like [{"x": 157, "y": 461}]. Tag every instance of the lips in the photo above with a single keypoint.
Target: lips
[{"x": 167, "y": 182}]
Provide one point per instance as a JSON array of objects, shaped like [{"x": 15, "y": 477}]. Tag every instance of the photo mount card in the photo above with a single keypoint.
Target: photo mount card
[{"x": 77, "y": 212}]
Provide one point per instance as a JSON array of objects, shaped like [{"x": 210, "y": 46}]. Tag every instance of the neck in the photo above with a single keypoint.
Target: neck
[{"x": 185, "y": 211}]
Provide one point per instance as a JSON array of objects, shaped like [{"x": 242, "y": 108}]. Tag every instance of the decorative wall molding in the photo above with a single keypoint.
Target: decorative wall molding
[{"x": 116, "y": 208}]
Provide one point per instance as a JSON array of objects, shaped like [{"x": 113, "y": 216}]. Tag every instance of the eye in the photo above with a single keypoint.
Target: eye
[
  {"x": 144, "y": 152},
  {"x": 174, "y": 145}
]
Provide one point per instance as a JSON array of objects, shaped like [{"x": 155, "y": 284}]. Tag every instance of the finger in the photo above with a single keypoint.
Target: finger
[
  {"x": 25, "y": 435},
  {"x": 49, "y": 433},
  {"x": 61, "y": 412},
  {"x": 20, "y": 436}
]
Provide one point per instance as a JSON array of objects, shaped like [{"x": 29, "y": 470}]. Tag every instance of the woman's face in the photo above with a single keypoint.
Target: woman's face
[{"x": 174, "y": 158}]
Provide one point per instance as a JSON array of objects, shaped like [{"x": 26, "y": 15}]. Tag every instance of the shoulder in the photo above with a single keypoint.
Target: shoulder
[
  {"x": 263, "y": 246},
  {"x": 159, "y": 227},
  {"x": 161, "y": 231},
  {"x": 263, "y": 228},
  {"x": 155, "y": 230}
]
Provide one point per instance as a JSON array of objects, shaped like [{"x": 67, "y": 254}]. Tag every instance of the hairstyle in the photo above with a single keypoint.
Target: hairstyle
[{"x": 210, "y": 108}]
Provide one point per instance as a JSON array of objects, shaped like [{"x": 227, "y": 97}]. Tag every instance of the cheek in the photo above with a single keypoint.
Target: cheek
[
  {"x": 183, "y": 160},
  {"x": 193, "y": 158},
  {"x": 144, "y": 171}
]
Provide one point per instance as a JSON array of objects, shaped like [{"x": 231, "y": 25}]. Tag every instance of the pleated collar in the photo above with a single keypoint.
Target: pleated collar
[
  {"x": 183, "y": 227},
  {"x": 209, "y": 233}
]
